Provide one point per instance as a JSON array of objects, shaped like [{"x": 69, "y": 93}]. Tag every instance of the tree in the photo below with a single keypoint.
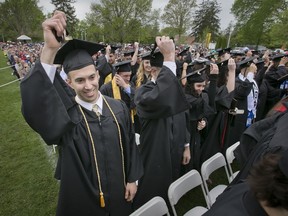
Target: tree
[
  {"x": 69, "y": 10},
  {"x": 256, "y": 18},
  {"x": 121, "y": 20},
  {"x": 177, "y": 15},
  {"x": 278, "y": 34},
  {"x": 206, "y": 20},
  {"x": 19, "y": 17}
]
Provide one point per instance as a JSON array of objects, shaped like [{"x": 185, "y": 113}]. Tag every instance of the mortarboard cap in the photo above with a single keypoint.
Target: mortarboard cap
[
  {"x": 283, "y": 163},
  {"x": 222, "y": 63},
  {"x": 145, "y": 56},
  {"x": 76, "y": 54},
  {"x": 128, "y": 52},
  {"x": 114, "y": 48},
  {"x": 124, "y": 66},
  {"x": 223, "y": 51},
  {"x": 237, "y": 53},
  {"x": 184, "y": 52},
  {"x": 196, "y": 76},
  {"x": 210, "y": 56},
  {"x": 277, "y": 57},
  {"x": 245, "y": 63},
  {"x": 156, "y": 59}
]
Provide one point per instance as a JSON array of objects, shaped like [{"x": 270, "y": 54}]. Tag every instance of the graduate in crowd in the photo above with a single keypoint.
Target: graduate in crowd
[
  {"x": 142, "y": 76},
  {"x": 264, "y": 193},
  {"x": 105, "y": 64},
  {"x": 246, "y": 97},
  {"x": 270, "y": 92},
  {"x": 161, "y": 106},
  {"x": 120, "y": 87},
  {"x": 202, "y": 105},
  {"x": 99, "y": 159},
  {"x": 217, "y": 123}
]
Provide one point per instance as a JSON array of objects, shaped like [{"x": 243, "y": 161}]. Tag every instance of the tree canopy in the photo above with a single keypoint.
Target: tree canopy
[
  {"x": 206, "y": 20},
  {"x": 19, "y": 17},
  {"x": 178, "y": 16}
]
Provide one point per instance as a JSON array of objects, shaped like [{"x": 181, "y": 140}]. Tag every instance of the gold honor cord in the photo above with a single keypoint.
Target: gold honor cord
[{"x": 102, "y": 200}]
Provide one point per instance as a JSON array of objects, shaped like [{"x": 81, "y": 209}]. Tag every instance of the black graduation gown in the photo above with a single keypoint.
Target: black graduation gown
[
  {"x": 202, "y": 106},
  {"x": 236, "y": 200},
  {"x": 52, "y": 112},
  {"x": 216, "y": 124},
  {"x": 137, "y": 123},
  {"x": 107, "y": 90},
  {"x": 267, "y": 135},
  {"x": 269, "y": 91},
  {"x": 105, "y": 69},
  {"x": 157, "y": 104},
  {"x": 236, "y": 124}
]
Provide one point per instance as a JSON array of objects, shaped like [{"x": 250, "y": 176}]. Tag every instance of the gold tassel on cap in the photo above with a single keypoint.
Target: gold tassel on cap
[{"x": 102, "y": 201}]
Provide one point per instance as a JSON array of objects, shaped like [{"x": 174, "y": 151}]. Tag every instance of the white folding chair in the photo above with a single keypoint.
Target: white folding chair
[
  {"x": 137, "y": 138},
  {"x": 212, "y": 164},
  {"x": 230, "y": 158},
  {"x": 154, "y": 207},
  {"x": 181, "y": 186}
]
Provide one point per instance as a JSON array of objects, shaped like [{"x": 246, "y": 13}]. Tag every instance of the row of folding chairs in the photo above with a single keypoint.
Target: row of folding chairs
[{"x": 157, "y": 205}]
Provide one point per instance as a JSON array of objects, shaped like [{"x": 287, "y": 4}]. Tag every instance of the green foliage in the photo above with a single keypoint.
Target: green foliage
[
  {"x": 27, "y": 185},
  {"x": 177, "y": 15},
  {"x": 278, "y": 34},
  {"x": 256, "y": 19},
  {"x": 206, "y": 20},
  {"x": 19, "y": 17},
  {"x": 69, "y": 10},
  {"x": 122, "y": 21}
]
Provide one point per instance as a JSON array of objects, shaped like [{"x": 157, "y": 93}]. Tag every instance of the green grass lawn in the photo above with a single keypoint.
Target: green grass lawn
[{"x": 27, "y": 185}]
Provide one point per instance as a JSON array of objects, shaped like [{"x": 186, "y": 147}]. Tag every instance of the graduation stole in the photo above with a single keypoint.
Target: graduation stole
[
  {"x": 108, "y": 78},
  {"x": 117, "y": 95},
  {"x": 102, "y": 200}
]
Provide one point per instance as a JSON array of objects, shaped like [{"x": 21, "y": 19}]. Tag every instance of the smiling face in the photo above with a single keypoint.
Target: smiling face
[
  {"x": 199, "y": 87},
  {"x": 85, "y": 83},
  {"x": 146, "y": 66}
]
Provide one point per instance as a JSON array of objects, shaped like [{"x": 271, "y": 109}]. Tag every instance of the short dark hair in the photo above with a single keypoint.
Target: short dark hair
[{"x": 268, "y": 182}]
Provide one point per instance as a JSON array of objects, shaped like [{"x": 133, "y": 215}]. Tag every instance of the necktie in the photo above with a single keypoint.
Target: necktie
[{"x": 96, "y": 110}]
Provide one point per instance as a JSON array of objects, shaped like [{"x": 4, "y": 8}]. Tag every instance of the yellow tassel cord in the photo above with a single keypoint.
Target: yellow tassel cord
[{"x": 102, "y": 201}]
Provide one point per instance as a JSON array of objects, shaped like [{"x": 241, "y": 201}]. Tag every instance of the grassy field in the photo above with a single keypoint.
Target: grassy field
[{"x": 27, "y": 186}]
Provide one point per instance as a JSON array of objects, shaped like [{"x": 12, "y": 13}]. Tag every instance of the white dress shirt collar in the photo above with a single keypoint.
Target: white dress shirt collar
[{"x": 88, "y": 105}]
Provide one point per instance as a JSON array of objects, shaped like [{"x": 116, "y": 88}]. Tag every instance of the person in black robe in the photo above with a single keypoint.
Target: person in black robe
[
  {"x": 202, "y": 105},
  {"x": 264, "y": 193},
  {"x": 270, "y": 91},
  {"x": 120, "y": 87},
  {"x": 99, "y": 160},
  {"x": 246, "y": 97},
  {"x": 105, "y": 63},
  {"x": 215, "y": 133},
  {"x": 158, "y": 102}
]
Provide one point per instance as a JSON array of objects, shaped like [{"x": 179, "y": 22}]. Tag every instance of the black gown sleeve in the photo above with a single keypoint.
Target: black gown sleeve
[
  {"x": 163, "y": 99},
  {"x": 48, "y": 107}
]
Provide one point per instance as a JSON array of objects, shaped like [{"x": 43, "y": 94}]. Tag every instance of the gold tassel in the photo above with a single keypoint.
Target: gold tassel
[{"x": 102, "y": 201}]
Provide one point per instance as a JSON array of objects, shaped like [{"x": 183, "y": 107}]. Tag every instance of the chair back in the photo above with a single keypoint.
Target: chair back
[{"x": 156, "y": 207}]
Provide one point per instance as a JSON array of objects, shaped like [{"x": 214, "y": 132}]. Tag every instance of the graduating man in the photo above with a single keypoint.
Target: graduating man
[
  {"x": 161, "y": 106},
  {"x": 99, "y": 159},
  {"x": 120, "y": 87}
]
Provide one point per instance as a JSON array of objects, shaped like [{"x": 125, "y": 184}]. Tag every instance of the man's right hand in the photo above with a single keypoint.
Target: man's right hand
[
  {"x": 166, "y": 47},
  {"x": 55, "y": 24}
]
